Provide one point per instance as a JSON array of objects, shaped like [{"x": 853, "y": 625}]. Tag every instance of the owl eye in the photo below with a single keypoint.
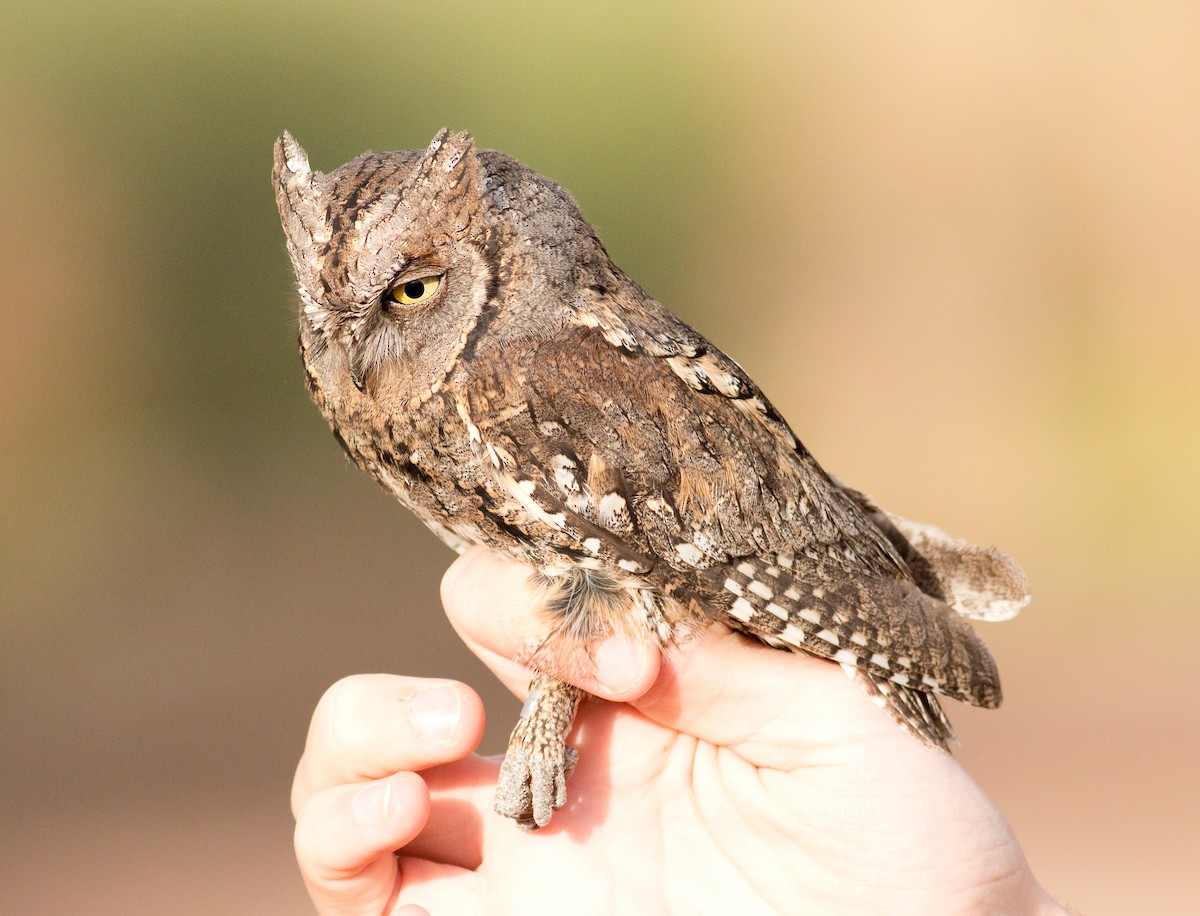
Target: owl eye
[{"x": 416, "y": 291}]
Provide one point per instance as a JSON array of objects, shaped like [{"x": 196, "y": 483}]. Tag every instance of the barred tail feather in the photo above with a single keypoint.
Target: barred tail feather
[
  {"x": 917, "y": 711},
  {"x": 888, "y": 628}
]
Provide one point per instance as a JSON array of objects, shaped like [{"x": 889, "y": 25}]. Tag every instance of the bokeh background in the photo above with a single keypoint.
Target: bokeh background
[{"x": 957, "y": 243}]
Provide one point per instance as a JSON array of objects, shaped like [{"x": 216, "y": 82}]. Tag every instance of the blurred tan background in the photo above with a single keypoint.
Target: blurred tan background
[{"x": 958, "y": 245}]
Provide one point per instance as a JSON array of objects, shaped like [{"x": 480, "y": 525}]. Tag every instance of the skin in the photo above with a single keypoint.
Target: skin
[{"x": 721, "y": 777}]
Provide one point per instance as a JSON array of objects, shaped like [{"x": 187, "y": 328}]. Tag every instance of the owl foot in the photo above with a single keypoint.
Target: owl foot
[
  {"x": 530, "y": 790},
  {"x": 533, "y": 776}
]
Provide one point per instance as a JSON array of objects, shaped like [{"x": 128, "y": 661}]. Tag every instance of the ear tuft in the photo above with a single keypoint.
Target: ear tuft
[
  {"x": 443, "y": 187},
  {"x": 297, "y": 192},
  {"x": 290, "y": 157},
  {"x": 448, "y": 150}
]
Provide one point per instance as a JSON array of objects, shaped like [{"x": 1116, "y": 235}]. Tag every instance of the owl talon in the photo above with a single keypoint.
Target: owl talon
[
  {"x": 530, "y": 790},
  {"x": 533, "y": 776}
]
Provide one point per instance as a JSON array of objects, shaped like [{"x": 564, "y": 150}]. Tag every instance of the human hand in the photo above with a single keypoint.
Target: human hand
[{"x": 729, "y": 778}]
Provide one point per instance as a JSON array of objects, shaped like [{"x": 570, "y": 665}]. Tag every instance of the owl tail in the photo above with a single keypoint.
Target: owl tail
[
  {"x": 982, "y": 583},
  {"x": 900, "y": 643},
  {"x": 917, "y": 711},
  {"x": 978, "y": 582}
]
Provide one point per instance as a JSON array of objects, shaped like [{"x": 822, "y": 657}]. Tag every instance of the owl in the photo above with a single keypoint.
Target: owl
[{"x": 476, "y": 351}]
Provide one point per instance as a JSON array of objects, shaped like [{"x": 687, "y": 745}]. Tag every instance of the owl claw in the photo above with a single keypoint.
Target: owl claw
[
  {"x": 533, "y": 776},
  {"x": 531, "y": 789}
]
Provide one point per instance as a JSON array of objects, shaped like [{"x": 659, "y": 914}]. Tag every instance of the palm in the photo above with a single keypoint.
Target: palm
[{"x": 662, "y": 821}]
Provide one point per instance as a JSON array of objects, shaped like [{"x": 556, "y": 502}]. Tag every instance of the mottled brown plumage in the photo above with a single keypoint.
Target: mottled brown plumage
[{"x": 475, "y": 349}]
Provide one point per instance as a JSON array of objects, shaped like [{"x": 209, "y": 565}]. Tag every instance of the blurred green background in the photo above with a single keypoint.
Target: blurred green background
[{"x": 957, "y": 244}]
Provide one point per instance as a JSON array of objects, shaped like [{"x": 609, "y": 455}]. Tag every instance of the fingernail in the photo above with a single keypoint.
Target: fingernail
[
  {"x": 620, "y": 663},
  {"x": 371, "y": 802},
  {"x": 435, "y": 713}
]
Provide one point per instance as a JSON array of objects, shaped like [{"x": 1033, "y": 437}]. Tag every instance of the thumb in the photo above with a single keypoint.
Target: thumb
[{"x": 499, "y": 609}]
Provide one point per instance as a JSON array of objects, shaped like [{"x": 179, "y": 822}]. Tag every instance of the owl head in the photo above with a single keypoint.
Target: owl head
[{"x": 400, "y": 256}]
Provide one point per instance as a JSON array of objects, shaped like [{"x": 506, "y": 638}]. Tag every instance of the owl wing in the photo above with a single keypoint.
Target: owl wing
[
  {"x": 664, "y": 444},
  {"x": 653, "y": 453}
]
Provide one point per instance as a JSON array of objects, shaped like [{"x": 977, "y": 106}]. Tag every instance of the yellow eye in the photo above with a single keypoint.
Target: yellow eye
[{"x": 414, "y": 292}]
